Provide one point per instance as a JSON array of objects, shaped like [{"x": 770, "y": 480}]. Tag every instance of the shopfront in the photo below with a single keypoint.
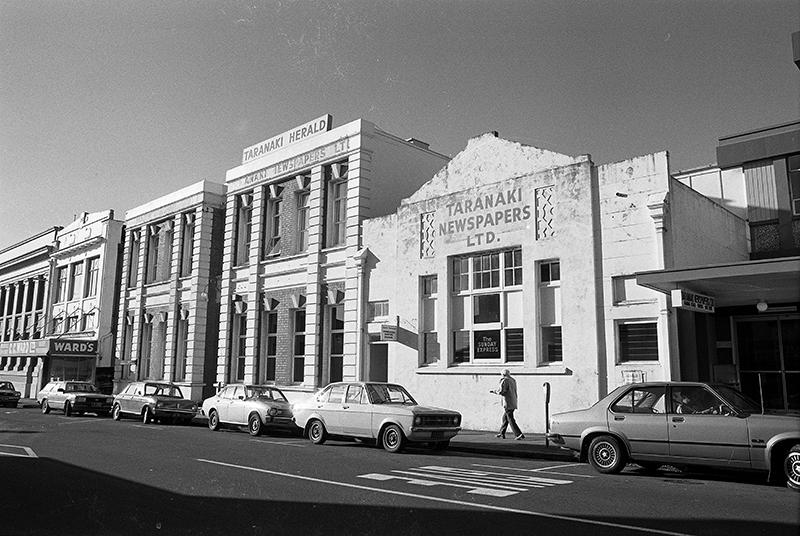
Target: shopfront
[{"x": 71, "y": 359}]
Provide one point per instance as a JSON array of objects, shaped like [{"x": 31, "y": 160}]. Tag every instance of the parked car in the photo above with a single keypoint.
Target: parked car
[
  {"x": 381, "y": 412},
  {"x": 153, "y": 401},
  {"x": 74, "y": 398},
  {"x": 8, "y": 395},
  {"x": 682, "y": 423},
  {"x": 258, "y": 407}
]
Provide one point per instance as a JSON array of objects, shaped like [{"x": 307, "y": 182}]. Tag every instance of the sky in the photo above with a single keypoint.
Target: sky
[{"x": 111, "y": 104}]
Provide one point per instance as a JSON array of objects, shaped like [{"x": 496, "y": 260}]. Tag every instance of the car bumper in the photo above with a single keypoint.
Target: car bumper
[
  {"x": 174, "y": 412},
  {"x": 280, "y": 422},
  {"x": 428, "y": 434},
  {"x": 91, "y": 407},
  {"x": 9, "y": 399}
]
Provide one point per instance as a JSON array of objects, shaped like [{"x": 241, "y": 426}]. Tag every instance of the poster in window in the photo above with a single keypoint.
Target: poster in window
[{"x": 487, "y": 344}]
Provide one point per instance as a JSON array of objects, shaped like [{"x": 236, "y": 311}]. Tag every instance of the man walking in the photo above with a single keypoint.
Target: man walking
[{"x": 508, "y": 390}]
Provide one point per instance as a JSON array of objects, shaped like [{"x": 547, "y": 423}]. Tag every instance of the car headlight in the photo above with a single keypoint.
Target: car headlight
[
  {"x": 418, "y": 420},
  {"x": 456, "y": 420},
  {"x": 159, "y": 404},
  {"x": 272, "y": 412},
  {"x": 17, "y": 393},
  {"x": 80, "y": 399}
]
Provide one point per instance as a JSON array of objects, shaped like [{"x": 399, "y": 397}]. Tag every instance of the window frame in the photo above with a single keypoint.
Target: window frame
[{"x": 620, "y": 359}]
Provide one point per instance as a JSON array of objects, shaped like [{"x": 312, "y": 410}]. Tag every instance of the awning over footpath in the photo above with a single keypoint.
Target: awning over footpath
[{"x": 742, "y": 283}]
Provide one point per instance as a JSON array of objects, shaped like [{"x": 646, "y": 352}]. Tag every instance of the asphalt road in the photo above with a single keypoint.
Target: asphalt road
[{"x": 89, "y": 475}]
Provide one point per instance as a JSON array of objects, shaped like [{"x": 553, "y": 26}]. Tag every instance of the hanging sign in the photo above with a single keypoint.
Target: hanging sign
[{"x": 692, "y": 301}]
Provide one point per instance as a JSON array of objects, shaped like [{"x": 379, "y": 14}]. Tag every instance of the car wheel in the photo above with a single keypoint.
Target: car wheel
[
  {"x": 791, "y": 467},
  {"x": 116, "y": 412},
  {"x": 45, "y": 407},
  {"x": 316, "y": 432},
  {"x": 213, "y": 420},
  {"x": 147, "y": 415},
  {"x": 67, "y": 409},
  {"x": 392, "y": 438},
  {"x": 606, "y": 454},
  {"x": 254, "y": 425}
]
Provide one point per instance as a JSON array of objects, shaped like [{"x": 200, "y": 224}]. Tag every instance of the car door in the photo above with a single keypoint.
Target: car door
[
  {"x": 56, "y": 398},
  {"x": 223, "y": 403},
  {"x": 356, "y": 412},
  {"x": 330, "y": 409},
  {"x": 640, "y": 416},
  {"x": 236, "y": 406},
  {"x": 700, "y": 434}
]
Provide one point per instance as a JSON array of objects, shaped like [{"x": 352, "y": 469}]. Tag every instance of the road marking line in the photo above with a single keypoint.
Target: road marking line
[
  {"x": 504, "y": 480},
  {"x": 28, "y": 451},
  {"x": 75, "y": 421},
  {"x": 542, "y": 470},
  {"x": 448, "y": 501},
  {"x": 475, "y": 489},
  {"x": 294, "y": 444},
  {"x": 518, "y": 479},
  {"x": 467, "y": 481}
]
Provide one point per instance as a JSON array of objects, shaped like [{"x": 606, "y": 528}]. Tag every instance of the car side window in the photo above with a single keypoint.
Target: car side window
[
  {"x": 337, "y": 394},
  {"x": 354, "y": 394},
  {"x": 226, "y": 393},
  {"x": 646, "y": 400},
  {"x": 694, "y": 399},
  {"x": 238, "y": 392}
]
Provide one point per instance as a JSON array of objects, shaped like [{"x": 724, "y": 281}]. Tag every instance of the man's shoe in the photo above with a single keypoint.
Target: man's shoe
[
  {"x": 501, "y": 436},
  {"x": 520, "y": 436}
]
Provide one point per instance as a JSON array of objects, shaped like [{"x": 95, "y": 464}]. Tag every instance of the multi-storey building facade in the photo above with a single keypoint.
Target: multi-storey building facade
[
  {"x": 84, "y": 299},
  {"x": 24, "y": 288},
  {"x": 749, "y": 333},
  {"x": 168, "y": 304},
  {"x": 521, "y": 258},
  {"x": 292, "y": 275}
]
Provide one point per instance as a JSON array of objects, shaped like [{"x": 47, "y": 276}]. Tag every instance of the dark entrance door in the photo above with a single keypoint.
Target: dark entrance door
[
  {"x": 378, "y": 362},
  {"x": 769, "y": 360}
]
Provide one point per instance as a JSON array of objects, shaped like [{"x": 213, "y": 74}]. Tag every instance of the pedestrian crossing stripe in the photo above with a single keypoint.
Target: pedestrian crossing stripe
[{"x": 489, "y": 483}]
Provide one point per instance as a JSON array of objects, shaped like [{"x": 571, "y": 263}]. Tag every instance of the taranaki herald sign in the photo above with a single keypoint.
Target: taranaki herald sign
[
  {"x": 312, "y": 128},
  {"x": 83, "y": 347}
]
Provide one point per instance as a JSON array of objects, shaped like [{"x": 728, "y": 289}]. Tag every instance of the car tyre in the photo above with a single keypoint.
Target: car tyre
[
  {"x": 213, "y": 420},
  {"x": 147, "y": 415},
  {"x": 116, "y": 412},
  {"x": 392, "y": 439},
  {"x": 606, "y": 454},
  {"x": 316, "y": 432},
  {"x": 254, "y": 425},
  {"x": 45, "y": 407},
  {"x": 791, "y": 467},
  {"x": 67, "y": 409}
]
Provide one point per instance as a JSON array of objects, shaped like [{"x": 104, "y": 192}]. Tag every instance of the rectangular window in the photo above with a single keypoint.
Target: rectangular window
[
  {"x": 159, "y": 252},
  {"x": 187, "y": 243},
  {"x": 58, "y": 326},
  {"x": 272, "y": 228},
  {"x": 133, "y": 259},
  {"x": 550, "y": 349},
  {"x": 299, "y": 345},
  {"x": 240, "y": 346},
  {"x": 271, "y": 344},
  {"x": 145, "y": 349},
  {"x": 302, "y": 221},
  {"x": 638, "y": 341},
  {"x": 244, "y": 213},
  {"x": 430, "y": 338},
  {"x": 76, "y": 282},
  {"x": 181, "y": 349},
  {"x": 378, "y": 310},
  {"x": 61, "y": 284},
  {"x": 92, "y": 276},
  {"x": 127, "y": 338},
  {"x": 793, "y": 169},
  {"x": 486, "y": 307},
  {"x": 336, "y": 343},
  {"x": 89, "y": 321},
  {"x": 337, "y": 203},
  {"x": 72, "y": 324}
]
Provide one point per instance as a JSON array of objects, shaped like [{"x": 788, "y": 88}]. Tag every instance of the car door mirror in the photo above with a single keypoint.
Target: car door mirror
[
  {"x": 60, "y": 390},
  {"x": 240, "y": 397}
]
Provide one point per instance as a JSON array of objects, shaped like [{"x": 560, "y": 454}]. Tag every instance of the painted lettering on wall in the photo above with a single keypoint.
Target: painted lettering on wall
[
  {"x": 299, "y": 162},
  {"x": 480, "y": 216},
  {"x": 320, "y": 124},
  {"x": 72, "y": 347}
]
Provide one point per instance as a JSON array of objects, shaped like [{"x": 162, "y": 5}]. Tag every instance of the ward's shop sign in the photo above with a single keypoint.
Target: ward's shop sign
[
  {"x": 480, "y": 218},
  {"x": 692, "y": 301},
  {"x": 73, "y": 347}
]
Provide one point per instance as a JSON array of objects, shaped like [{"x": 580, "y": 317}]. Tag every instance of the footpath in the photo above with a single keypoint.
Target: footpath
[{"x": 533, "y": 446}]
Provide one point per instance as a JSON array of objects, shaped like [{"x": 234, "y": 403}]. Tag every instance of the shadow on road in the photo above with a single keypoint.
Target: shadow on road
[{"x": 42, "y": 496}]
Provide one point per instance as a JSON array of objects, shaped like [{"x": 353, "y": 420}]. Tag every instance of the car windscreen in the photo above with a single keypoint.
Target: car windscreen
[
  {"x": 6, "y": 385},
  {"x": 265, "y": 393},
  {"x": 739, "y": 400},
  {"x": 163, "y": 390},
  {"x": 80, "y": 388},
  {"x": 389, "y": 394}
]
